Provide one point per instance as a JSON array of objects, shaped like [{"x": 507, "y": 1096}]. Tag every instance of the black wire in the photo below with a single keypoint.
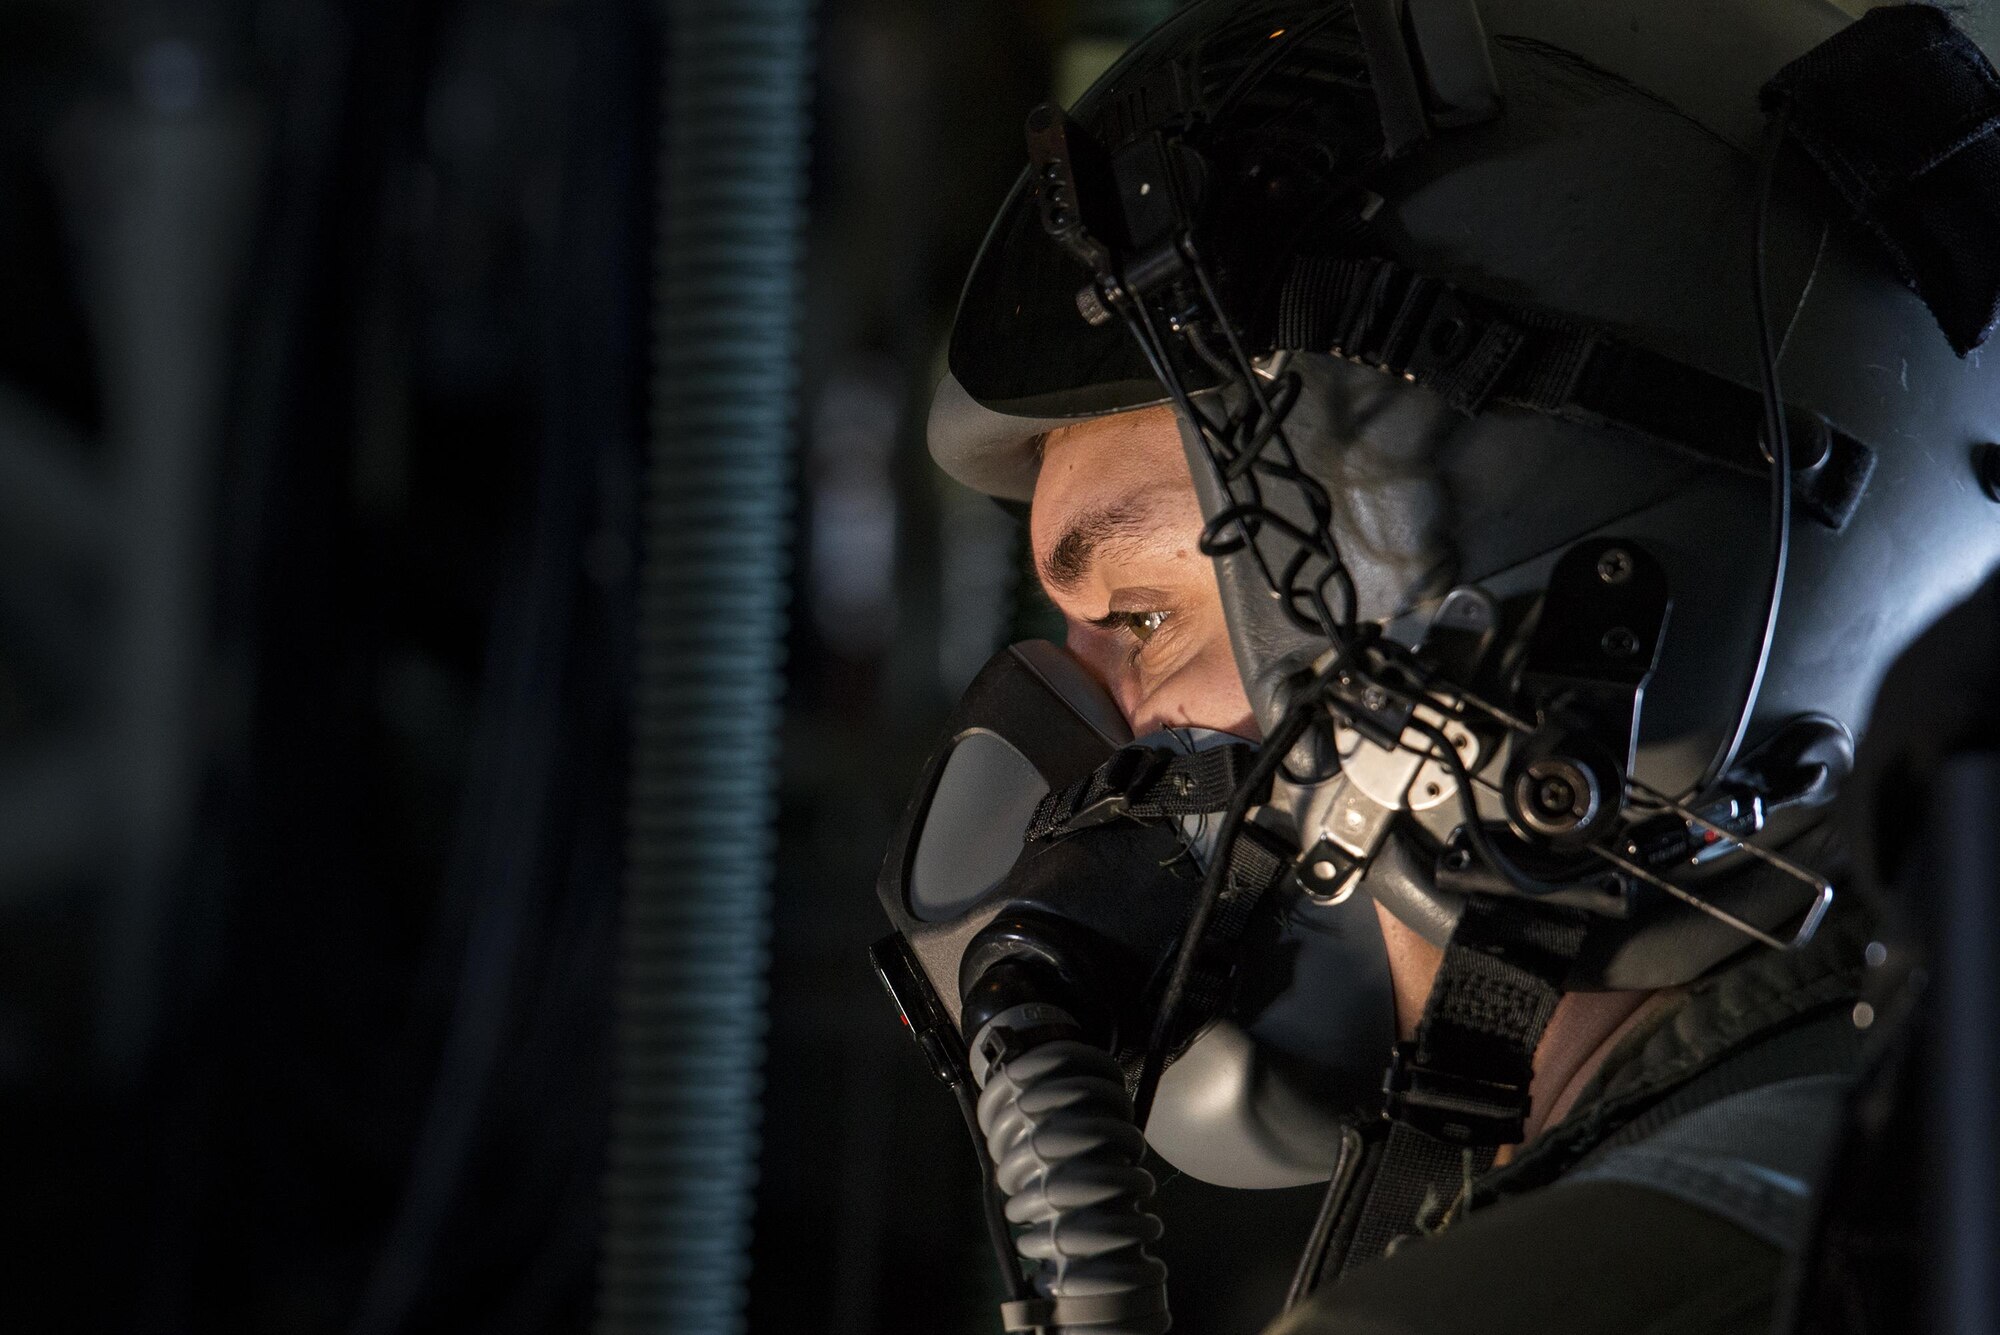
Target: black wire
[
  {"x": 1238, "y": 451},
  {"x": 1139, "y": 320},
  {"x": 1290, "y": 728},
  {"x": 1270, "y": 430},
  {"x": 1779, "y": 442}
]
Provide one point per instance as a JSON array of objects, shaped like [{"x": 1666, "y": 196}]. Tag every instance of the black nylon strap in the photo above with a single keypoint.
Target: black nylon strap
[
  {"x": 1147, "y": 783},
  {"x": 1256, "y": 862},
  {"x": 1465, "y": 1077},
  {"x": 1460, "y": 1090},
  {"x": 1417, "y": 1188},
  {"x": 1473, "y": 352}
]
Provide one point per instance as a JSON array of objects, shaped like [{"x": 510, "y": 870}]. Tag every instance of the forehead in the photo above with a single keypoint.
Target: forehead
[{"x": 1104, "y": 462}]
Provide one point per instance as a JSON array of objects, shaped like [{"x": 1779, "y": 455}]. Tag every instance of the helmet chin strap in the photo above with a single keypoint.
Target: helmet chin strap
[{"x": 1460, "y": 1089}]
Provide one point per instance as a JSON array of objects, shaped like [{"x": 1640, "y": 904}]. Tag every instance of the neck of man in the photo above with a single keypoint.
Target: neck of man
[
  {"x": 1582, "y": 1032},
  {"x": 1585, "y": 1029}
]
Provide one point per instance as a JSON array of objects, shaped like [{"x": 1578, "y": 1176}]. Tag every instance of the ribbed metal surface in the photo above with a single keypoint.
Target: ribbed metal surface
[{"x": 684, "y": 1143}]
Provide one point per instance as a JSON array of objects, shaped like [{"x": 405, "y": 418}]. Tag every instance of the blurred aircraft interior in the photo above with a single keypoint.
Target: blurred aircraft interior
[{"x": 324, "y": 404}]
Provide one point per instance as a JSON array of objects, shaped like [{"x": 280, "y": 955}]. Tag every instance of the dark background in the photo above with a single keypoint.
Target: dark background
[{"x": 323, "y": 358}]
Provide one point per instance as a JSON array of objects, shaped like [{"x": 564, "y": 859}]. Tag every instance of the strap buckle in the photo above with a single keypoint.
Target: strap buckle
[
  {"x": 1130, "y": 771},
  {"x": 1453, "y": 1106}
]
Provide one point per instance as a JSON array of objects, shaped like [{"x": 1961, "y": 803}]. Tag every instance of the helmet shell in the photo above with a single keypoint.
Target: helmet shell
[{"x": 1618, "y": 189}]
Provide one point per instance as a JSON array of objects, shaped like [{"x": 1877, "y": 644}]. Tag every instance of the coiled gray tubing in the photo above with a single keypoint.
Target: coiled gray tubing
[
  {"x": 1066, "y": 1153},
  {"x": 712, "y": 592}
]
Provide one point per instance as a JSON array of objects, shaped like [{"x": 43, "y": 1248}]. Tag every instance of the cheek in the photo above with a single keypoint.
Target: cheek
[
  {"x": 1206, "y": 692},
  {"x": 1108, "y": 658}
]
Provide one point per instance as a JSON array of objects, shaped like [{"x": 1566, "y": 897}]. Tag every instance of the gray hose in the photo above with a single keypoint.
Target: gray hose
[
  {"x": 1066, "y": 1155},
  {"x": 710, "y": 633}
]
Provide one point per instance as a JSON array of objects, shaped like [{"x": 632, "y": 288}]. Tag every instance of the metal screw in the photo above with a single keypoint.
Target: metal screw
[
  {"x": 1615, "y": 566},
  {"x": 1619, "y": 642},
  {"x": 1374, "y": 699},
  {"x": 1986, "y": 461},
  {"x": 1458, "y": 859},
  {"x": 1555, "y": 796}
]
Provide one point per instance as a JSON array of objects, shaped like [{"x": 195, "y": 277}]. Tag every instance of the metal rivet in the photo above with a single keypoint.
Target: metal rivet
[
  {"x": 1876, "y": 954},
  {"x": 1324, "y": 871},
  {"x": 1864, "y": 1015},
  {"x": 1619, "y": 642}
]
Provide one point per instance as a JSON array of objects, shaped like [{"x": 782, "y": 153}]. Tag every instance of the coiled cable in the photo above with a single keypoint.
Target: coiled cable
[{"x": 1066, "y": 1152}]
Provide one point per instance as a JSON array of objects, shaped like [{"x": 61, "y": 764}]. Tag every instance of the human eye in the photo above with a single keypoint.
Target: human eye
[{"x": 1142, "y": 624}]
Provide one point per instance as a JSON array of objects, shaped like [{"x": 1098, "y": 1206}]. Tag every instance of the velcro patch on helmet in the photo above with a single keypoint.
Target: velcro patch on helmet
[{"x": 1901, "y": 112}]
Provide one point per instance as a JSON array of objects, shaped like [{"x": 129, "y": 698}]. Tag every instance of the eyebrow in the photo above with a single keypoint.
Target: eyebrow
[{"x": 1126, "y": 521}]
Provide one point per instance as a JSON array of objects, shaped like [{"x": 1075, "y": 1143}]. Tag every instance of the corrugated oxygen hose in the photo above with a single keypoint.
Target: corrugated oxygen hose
[
  {"x": 1058, "y": 1124},
  {"x": 711, "y": 624}
]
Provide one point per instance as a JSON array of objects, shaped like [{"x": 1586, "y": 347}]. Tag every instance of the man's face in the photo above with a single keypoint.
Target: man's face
[{"x": 1115, "y": 528}]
